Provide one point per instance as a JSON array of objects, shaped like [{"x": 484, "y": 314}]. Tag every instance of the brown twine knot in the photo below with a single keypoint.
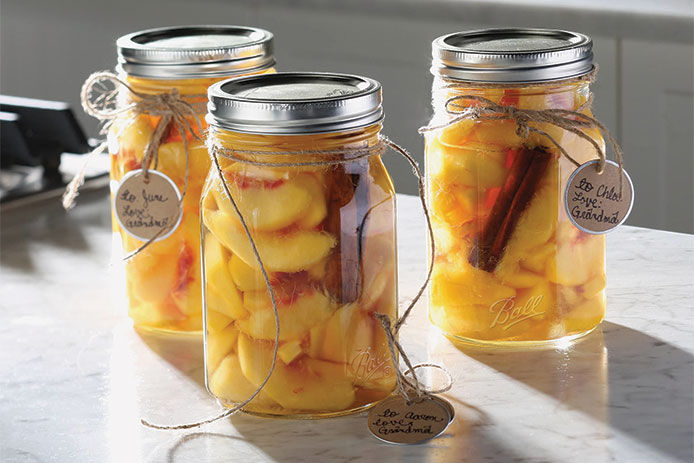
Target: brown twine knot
[
  {"x": 572, "y": 121},
  {"x": 101, "y": 98},
  {"x": 405, "y": 385}
]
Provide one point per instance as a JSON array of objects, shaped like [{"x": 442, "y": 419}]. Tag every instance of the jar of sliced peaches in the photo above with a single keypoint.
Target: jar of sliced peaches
[
  {"x": 510, "y": 266},
  {"x": 300, "y": 155},
  {"x": 163, "y": 279}
]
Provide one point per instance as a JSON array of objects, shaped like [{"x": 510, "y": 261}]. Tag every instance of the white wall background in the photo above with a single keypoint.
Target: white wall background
[{"x": 644, "y": 93}]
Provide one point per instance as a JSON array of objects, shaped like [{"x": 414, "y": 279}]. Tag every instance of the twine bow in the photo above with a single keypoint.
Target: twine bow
[
  {"x": 572, "y": 121},
  {"x": 406, "y": 386},
  {"x": 102, "y": 98}
]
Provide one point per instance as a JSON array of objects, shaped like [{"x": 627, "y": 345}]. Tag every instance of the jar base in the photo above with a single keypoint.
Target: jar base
[
  {"x": 562, "y": 342},
  {"x": 307, "y": 416}
]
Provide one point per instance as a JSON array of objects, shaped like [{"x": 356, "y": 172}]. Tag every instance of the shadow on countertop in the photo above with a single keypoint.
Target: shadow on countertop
[
  {"x": 45, "y": 222},
  {"x": 634, "y": 383}
]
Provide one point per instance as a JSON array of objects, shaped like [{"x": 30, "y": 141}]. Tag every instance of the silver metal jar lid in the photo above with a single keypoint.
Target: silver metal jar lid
[
  {"x": 294, "y": 103},
  {"x": 187, "y": 52},
  {"x": 512, "y": 55}
]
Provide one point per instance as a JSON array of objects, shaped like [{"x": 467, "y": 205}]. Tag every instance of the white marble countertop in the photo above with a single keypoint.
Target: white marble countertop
[{"x": 75, "y": 378}]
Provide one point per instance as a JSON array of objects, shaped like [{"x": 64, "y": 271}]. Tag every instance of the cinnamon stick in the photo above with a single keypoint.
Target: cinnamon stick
[
  {"x": 348, "y": 203},
  {"x": 525, "y": 174}
]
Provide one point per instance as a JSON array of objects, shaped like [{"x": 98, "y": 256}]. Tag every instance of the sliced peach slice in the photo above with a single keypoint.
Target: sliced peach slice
[
  {"x": 264, "y": 208},
  {"x": 218, "y": 345},
  {"x": 457, "y": 134},
  {"x": 316, "y": 339},
  {"x": 500, "y": 133},
  {"x": 154, "y": 276},
  {"x": 317, "y": 271},
  {"x": 305, "y": 385},
  {"x": 217, "y": 321},
  {"x": 216, "y": 264},
  {"x": 536, "y": 260},
  {"x": 148, "y": 314},
  {"x": 230, "y": 385},
  {"x": 227, "y": 302},
  {"x": 296, "y": 317},
  {"x": 317, "y": 209},
  {"x": 579, "y": 257},
  {"x": 136, "y": 136},
  {"x": 172, "y": 160},
  {"x": 290, "y": 252},
  {"x": 594, "y": 285},
  {"x": 467, "y": 285},
  {"x": 247, "y": 278},
  {"x": 481, "y": 168},
  {"x": 585, "y": 315},
  {"x": 348, "y": 333},
  {"x": 289, "y": 351}
]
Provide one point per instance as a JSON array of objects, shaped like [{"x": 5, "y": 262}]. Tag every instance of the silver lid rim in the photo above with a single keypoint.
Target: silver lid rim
[
  {"x": 509, "y": 66},
  {"x": 159, "y": 62},
  {"x": 278, "y": 116}
]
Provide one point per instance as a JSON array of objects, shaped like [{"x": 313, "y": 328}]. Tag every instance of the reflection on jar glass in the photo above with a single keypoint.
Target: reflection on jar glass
[
  {"x": 326, "y": 237},
  {"x": 163, "y": 279},
  {"x": 510, "y": 267}
]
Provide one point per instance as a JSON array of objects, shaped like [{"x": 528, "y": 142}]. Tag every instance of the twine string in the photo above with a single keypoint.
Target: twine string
[
  {"x": 100, "y": 99},
  {"x": 574, "y": 121}
]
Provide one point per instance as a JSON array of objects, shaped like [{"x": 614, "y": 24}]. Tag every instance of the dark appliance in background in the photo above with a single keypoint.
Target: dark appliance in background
[{"x": 33, "y": 136}]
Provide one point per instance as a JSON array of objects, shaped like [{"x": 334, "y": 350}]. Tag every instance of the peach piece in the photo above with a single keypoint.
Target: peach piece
[
  {"x": 536, "y": 260},
  {"x": 135, "y": 137},
  {"x": 318, "y": 207},
  {"x": 217, "y": 321},
  {"x": 318, "y": 270},
  {"x": 247, "y": 278},
  {"x": 153, "y": 276},
  {"x": 148, "y": 314},
  {"x": 227, "y": 302},
  {"x": 466, "y": 283},
  {"x": 500, "y": 133},
  {"x": 216, "y": 259},
  {"x": 296, "y": 318},
  {"x": 480, "y": 168},
  {"x": 579, "y": 257},
  {"x": 167, "y": 246},
  {"x": 218, "y": 345},
  {"x": 585, "y": 315},
  {"x": 289, "y": 252},
  {"x": 347, "y": 334},
  {"x": 290, "y": 350},
  {"x": 457, "y": 134},
  {"x": 307, "y": 385},
  {"x": 463, "y": 320},
  {"x": 264, "y": 207},
  {"x": 594, "y": 285},
  {"x": 570, "y": 295},
  {"x": 229, "y": 384}
]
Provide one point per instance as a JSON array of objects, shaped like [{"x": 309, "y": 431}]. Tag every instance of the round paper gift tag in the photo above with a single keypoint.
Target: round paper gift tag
[
  {"x": 597, "y": 203},
  {"x": 397, "y": 422},
  {"x": 147, "y": 208}
]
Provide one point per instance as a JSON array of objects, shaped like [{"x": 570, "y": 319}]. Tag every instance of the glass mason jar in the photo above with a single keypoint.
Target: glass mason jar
[
  {"x": 510, "y": 266},
  {"x": 163, "y": 281},
  {"x": 325, "y": 234}
]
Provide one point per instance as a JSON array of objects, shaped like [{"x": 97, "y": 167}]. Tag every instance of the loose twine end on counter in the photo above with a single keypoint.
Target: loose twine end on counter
[{"x": 406, "y": 386}]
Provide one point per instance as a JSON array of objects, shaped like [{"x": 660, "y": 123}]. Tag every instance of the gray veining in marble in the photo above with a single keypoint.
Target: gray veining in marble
[{"x": 75, "y": 378}]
